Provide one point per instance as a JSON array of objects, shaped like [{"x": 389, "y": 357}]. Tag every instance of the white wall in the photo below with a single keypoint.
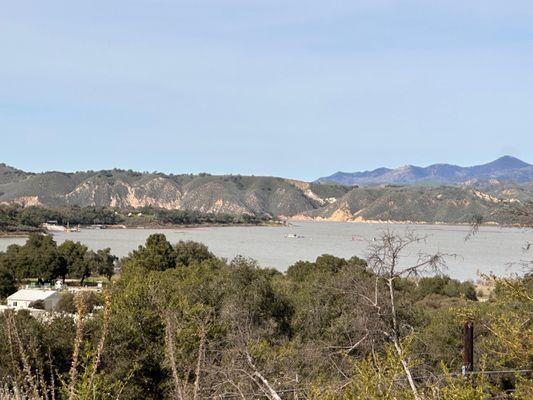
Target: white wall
[
  {"x": 49, "y": 303},
  {"x": 19, "y": 304}
]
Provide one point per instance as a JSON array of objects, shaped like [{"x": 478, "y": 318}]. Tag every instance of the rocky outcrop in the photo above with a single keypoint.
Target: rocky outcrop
[{"x": 96, "y": 191}]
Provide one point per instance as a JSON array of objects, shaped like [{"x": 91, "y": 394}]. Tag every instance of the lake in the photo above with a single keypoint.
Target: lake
[{"x": 492, "y": 249}]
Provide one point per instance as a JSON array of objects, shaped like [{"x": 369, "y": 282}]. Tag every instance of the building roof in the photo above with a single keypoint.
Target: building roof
[{"x": 32, "y": 294}]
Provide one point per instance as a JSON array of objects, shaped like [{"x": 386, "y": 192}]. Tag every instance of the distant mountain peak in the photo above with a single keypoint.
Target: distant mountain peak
[
  {"x": 508, "y": 162},
  {"x": 506, "y": 168}
]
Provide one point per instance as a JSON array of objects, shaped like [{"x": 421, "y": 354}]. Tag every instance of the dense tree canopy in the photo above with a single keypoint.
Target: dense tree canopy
[
  {"x": 42, "y": 259},
  {"x": 38, "y": 258},
  {"x": 7, "y": 282},
  {"x": 188, "y": 252},
  {"x": 18, "y": 218}
]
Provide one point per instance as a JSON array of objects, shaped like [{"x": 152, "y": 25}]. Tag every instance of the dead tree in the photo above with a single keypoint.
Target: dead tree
[
  {"x": 385, "y": 259},
  {"x": 181, "y": 370}
]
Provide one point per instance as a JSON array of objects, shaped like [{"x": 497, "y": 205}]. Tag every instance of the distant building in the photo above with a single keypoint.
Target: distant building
[
  {"x": 54, "y": 227},
  {"x": 26, "y": 298},
  {"x": 98, "y": 226}
]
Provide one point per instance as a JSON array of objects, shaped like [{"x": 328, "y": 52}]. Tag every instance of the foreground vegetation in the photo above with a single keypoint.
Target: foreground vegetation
[{"x": 181, "y": 323}]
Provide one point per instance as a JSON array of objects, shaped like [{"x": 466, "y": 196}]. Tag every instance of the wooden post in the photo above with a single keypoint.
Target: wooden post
[{"x": 468, "y": 348}]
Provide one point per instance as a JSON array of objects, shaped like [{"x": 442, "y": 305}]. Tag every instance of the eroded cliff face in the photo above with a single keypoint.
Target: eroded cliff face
[
  {"x": 25, "y": 201},
  {"x": 157, "y": 192}
]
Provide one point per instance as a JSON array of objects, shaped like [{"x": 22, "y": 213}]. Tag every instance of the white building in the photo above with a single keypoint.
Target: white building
[{"x": 25, "y": 297}]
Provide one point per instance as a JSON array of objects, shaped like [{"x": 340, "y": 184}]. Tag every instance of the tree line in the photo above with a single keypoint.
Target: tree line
[
  {"x": 181, "y": 323},
  {"x": 42, "y": 259},
  {"x": 29, "y": 219}
]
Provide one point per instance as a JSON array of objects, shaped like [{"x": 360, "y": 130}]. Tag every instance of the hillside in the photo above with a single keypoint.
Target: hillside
[
  {"x": 204, "y": 192},
  {"x": 424, "y": 204},
  {"x": 502, "y": 189},
  {"x": 266, "y": 196},
  {"x": 505, "y": 168}
]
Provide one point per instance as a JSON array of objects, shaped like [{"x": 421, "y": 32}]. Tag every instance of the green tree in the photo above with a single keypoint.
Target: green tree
[
  {"x": 15, "y": 261},
  {"x": 188, "y": 252},
  {"x": 156, "y": 255},
  {"x": 32, "y": 216},
  {"x": 446, "y": 286},
  {"x": 7, "y": 282},
  {"x": 41, "y": 258},
  {"x": 104, "y": 263},
  {"x": 75, "y": 255}
]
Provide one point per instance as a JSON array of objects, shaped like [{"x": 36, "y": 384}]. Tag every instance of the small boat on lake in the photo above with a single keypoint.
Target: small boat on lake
[{"x": 293, "y": 236}]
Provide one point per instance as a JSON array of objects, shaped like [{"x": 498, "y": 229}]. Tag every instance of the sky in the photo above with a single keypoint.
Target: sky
[{"x": 289, "y": 88}]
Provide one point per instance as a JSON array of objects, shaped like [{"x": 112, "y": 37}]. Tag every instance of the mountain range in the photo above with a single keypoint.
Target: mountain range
[
  {"x": 499, "y": 201},
  {"x": 505, "y": 168}
]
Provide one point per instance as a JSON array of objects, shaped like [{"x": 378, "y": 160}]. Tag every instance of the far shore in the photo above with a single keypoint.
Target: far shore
[
  {"x": 25, "y": 234},
  {"x": 300, "y": 218},
  {"x": 15, "y": 235}
]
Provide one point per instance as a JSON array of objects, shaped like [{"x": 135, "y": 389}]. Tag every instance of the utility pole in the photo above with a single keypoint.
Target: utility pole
[{"x": 468, "y": 348}]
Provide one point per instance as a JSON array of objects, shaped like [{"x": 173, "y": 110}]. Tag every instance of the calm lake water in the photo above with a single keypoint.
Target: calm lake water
[{"x": 492, "y": 249}]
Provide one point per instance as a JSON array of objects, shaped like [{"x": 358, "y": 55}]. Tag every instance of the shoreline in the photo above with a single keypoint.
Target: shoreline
[
  {"x": 360, "y": 220},
  {"x": 183, "y": 226},
  {"x": 16, "y": 235},
  {"x": 25, "y": 234}
]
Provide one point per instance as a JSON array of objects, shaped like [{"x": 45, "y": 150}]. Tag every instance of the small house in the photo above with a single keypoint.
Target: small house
[{"x": 33, "y": 298}]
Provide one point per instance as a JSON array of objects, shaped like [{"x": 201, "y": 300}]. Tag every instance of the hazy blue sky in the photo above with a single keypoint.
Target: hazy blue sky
[{"x": 279, "y": 87}]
